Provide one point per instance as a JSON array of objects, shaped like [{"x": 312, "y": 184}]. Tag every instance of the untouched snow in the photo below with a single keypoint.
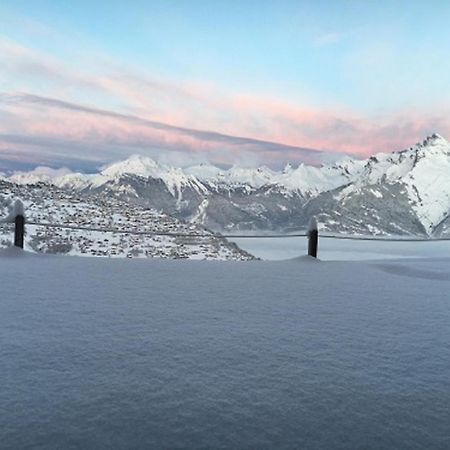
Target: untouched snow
[
  {"x": 314, "y": 180},
  {"x": 235, "y": 176},
  {"x": 15, "y": 209},
  {"x": 276, "y": 249},
  {"x": 144, "y": 354}
]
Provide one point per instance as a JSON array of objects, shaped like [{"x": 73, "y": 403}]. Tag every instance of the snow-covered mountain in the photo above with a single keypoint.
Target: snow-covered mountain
[
  {"x": 424, "y": 171},
  {"x": 404, "y": 192},
  {"x": 303, "y": 179}
]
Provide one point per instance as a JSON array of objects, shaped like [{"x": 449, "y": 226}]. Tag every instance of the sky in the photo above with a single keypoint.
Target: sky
[{"x": 227, "y": 82}]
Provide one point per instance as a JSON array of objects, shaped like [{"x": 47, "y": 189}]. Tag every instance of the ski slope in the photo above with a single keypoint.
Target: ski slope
[{"x": 119, "y": 353}]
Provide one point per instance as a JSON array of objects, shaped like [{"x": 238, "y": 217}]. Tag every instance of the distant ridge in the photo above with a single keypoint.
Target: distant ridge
[{"x": 403, "y": 192}]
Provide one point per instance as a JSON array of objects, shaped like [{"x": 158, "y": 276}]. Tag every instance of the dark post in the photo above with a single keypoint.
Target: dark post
[
  {"x": 19, "y": 230},
  {"x": 313, "y": 238}
]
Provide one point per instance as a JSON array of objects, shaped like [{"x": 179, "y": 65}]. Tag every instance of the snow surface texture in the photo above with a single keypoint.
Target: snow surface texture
[
  {"x": 313, "y": 225},
  {"x": 106, "y": 354},
  {"x": 15, "y": 209}
]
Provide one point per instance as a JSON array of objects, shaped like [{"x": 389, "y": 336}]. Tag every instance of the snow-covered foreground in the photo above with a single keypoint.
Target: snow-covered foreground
[
  {"x": 99, "y": 353},
  {"x": 275, "y": 249}
]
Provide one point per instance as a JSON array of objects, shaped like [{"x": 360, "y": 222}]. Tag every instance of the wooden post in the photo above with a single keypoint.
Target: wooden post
[
  {"x": 313, "y": 238},
  {"x": 19, "y": 230}
]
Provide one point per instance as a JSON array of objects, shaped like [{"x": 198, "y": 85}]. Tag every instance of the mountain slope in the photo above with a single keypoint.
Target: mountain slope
[
  {"x": 101, "y": 225},
  {"x": 424, "y": 171},
  {"x": 404, "y": 192}
]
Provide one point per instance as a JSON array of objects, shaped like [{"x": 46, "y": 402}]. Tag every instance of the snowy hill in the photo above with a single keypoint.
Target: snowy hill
[
  {"x": 101, "y": 225},
  {"x": 404, "y": 192}
]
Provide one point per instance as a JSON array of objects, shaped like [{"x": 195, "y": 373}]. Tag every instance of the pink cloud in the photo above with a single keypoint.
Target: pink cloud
[
  {"x": 215, "y": 121},
  {"x": 103, "y": 134}
]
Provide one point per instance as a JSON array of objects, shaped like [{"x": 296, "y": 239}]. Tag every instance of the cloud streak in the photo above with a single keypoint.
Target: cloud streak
[
  {"x": 46, "y": 113},
  {"x": 63, "y": 127},
  {"x": 202, "y": 135}
]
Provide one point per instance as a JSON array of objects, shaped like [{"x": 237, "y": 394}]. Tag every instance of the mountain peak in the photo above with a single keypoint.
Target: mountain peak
[
  {"x": 134, "y": 165},
  {"x": 288, "y": 168},
  {"x": 434, "y": 140},
  {"x": 433, "y": 146}
]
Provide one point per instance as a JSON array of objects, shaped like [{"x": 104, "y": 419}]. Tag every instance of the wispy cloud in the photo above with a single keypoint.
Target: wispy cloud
[
  {"x": 54, "y": 113},
  {"x": 63, "y": 127}
]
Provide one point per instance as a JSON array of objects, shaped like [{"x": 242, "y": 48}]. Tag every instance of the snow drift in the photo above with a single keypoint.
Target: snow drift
[{"x": 163, "y": 354}]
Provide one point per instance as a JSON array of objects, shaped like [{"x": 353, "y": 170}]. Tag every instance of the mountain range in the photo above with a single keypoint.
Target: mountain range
[{"x": 405, "y": 192}]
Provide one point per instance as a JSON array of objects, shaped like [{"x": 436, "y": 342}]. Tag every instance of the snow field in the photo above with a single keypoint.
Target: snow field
[
  {"x": 275, "y": 249},
  {"x": 119, "y": 353}
]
